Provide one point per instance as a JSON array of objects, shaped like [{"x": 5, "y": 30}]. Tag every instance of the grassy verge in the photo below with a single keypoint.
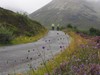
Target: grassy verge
[
  {"x": 26, "y": 39},
  {"x": 84, "y": 59}
]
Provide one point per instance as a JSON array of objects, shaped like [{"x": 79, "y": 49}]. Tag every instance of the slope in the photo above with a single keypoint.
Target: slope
[
  {"x": 76, "y": 12},
  {"x": 13, "y": 25}
]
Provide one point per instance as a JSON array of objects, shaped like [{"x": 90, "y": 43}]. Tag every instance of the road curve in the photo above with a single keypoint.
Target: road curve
[{"x": 16, "y": 58}]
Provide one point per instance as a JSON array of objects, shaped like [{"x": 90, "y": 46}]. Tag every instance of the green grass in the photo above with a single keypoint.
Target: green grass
[
  {"x": 17, "y": 28},
  {"x": 26, "y": 39}
]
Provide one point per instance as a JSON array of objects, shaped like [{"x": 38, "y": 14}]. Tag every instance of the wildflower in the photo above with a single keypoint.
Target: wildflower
[
  {"x": 74, "y": 68},
  {"x": 45, "y": 40},
  {"x": 56, "y": 71},
  {"x": 82, "y": 66},
  {"x": 28, "y": 50},
  {"x": 43, "y": 47},
  {"x": 31, "y": 58},
  {"x": 39, "y": 55},
  {"x": 95, "y": 47},
  {"x": 82, "y": 46},
  {"x": 49, "y": 40},
  {"x": 60, "y": 46},
  {"x": 57, "y": 33},
  {"x": 27, "y": 58}
]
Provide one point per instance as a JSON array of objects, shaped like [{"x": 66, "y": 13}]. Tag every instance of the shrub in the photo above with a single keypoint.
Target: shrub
[
  {"x": 69, "y": 26},
  {"x": 93, "y": 31},
  {"x": 5, "y": 35}
]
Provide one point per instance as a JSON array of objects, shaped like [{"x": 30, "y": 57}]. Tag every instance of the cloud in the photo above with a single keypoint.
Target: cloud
[
  {"x": 23, "y": 5},
  {"x": 93, "y": 0}
]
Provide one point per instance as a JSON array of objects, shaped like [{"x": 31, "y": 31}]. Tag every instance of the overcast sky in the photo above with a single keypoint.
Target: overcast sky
[
  {"x": 25, "y": 5},
  {"x": 93, "y": 0}
]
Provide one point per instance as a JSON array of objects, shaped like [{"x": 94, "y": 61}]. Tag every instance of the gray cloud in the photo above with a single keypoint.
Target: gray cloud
[{"x": 93, "y": 0}]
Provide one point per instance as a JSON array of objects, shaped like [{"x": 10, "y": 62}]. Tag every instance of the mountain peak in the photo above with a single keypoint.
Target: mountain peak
[{"x": 77, "y": 12}]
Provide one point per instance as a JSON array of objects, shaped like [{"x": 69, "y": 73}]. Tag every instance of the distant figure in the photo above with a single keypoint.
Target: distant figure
[
  {"x": 53, "y": 27},
  {"x": 58, "y": 27}
]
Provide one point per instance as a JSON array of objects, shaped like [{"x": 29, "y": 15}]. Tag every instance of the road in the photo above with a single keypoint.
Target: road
[{"x": 16, "y": 58}]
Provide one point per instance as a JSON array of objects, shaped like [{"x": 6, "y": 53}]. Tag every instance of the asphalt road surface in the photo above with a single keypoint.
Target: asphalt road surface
[{"x": 16, "y": 58}]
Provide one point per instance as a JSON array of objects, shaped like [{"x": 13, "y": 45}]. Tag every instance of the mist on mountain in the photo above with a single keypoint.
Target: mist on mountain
[{"x": 81, "y": 13}]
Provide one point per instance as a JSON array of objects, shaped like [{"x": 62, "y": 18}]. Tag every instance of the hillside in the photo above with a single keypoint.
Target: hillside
[
  {"x": 96, "y": 7},
  {"x": 13, "y": 25},
  {"x": 79, "y": 13}
]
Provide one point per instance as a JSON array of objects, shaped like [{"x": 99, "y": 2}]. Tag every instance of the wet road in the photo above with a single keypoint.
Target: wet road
[{"x": 16, "y": 58}]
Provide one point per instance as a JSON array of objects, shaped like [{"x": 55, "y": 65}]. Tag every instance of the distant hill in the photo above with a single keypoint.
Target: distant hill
[
  {"x": 14, "y": 25},
  {"x": 79, "y": 13},
  {"x": 96, "y": 6}
]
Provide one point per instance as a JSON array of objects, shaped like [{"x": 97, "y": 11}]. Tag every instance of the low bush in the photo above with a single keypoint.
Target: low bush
[{"x": 5, "y": 35}]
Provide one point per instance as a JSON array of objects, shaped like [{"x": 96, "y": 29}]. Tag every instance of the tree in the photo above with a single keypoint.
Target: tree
[{"x": 69, "y": 26}]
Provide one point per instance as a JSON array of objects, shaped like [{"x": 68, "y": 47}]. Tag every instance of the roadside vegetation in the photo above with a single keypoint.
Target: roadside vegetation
[
  {"x": 91, "y": 31},
  {"x": 28, "y": 39},
  {"x": 16, "y": 28},
  {"x": 82, "y": 57},
  {"x": 85, "y": 59}
]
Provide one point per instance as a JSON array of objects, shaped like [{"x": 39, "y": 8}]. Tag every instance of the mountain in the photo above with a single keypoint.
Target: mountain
[
  {"x": 14, "y": 25},
  {"x": 96, "y": 6},
  {"x": 79, "y": 13}
]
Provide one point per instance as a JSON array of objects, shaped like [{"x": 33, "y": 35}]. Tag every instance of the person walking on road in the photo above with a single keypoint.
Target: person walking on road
[
  {"x": 58, "y": 27},
  {"x": 53, "y": 27}
]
